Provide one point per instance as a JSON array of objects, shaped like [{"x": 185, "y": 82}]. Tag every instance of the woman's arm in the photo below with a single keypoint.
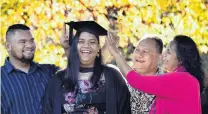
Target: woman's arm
[{"x": 166, "y": 85}]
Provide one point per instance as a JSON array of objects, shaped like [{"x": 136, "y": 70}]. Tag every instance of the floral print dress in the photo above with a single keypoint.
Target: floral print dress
[
  {"x": 85, "y": 100},
  {"x": 141, "y": 102}
]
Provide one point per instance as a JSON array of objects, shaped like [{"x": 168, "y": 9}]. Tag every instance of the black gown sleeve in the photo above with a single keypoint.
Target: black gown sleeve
[
  {"x": 118, "y": 95},
  {"x": 50, "y": 96},
  {"x": 123, "y": 94},
  {"x": 204, "y": 101},
  {"x": 47, "y": 105},
  {"x": 52, "y": 99}
]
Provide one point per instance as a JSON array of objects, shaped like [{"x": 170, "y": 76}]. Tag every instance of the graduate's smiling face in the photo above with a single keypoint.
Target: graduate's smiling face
[{"x": 88, "y": 48}]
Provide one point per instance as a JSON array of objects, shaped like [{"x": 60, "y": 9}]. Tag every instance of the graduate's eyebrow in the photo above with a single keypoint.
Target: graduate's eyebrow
[{"x": 91, "y": 39}]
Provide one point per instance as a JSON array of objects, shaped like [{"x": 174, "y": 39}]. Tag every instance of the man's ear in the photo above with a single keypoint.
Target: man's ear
[{"x": 8, "y": 46}]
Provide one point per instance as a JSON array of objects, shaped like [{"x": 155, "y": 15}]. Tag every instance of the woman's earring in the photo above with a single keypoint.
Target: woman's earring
[{"x": 98, "y": 54}]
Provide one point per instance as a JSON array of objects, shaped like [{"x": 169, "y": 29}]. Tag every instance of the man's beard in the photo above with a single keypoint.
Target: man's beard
[
  {"x": 23, "y": 58},
  {"x": 26, "y": 60}
]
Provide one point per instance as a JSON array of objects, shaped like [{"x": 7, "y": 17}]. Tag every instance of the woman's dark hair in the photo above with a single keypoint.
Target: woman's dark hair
[
  {"x": 70, "y": 79},
  {"x": 188, "y": 55}
]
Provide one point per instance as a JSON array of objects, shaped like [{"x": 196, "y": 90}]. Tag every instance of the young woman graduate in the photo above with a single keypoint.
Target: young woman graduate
[
  {"x": 177, "y": 92},
  {"x": 86, "y": 86}
]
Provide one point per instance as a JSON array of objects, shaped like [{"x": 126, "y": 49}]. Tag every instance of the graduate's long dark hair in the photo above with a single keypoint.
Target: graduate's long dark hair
[
  {"x": 188, "y": 55},
  {"x": 70, "y": 79}
]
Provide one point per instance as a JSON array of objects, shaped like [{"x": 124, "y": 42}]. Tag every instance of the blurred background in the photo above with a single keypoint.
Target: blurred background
[{"x": 129, "y": 19}]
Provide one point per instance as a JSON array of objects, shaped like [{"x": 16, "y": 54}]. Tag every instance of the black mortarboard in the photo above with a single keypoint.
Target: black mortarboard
[{"x": 82, "y": 26}]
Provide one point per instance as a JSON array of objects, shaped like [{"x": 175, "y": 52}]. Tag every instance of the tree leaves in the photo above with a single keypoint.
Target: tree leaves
[{"x": 135, "y": 18}]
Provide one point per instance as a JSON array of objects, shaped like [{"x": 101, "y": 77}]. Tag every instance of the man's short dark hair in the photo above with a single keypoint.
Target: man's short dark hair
[
  {"x": 13, "y": 28},
  {"x": 158, "y": 43}
]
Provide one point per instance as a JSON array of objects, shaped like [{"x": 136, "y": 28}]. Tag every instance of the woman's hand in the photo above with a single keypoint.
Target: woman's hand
[
  {"x": 120, "y": 61},
  {"x": 111, "y": 43}
]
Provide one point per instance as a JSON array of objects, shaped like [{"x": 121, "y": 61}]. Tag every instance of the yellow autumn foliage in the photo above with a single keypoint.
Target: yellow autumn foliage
[{"x": 135, "y": 18}]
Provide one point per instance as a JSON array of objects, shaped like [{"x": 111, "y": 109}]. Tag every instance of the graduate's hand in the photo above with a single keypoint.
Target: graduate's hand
[
  {"x": 111, "y": 42},
  {"x": 64, "y": 40}
]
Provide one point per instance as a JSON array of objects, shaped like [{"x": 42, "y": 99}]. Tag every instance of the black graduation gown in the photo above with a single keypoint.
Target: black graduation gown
[
  {"x": 204, "y": 101},
  {"x": 117, "y": 94}
]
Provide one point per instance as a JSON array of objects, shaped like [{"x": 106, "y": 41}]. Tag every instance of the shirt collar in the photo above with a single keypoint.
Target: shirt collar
[
  {"x": 180, "y": 68},
  {"x": 159, "y": 72},
  {"x": 10, "y": 67}
]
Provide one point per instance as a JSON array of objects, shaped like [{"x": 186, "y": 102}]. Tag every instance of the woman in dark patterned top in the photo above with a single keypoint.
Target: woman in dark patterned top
[
  {"x": 86, "y": 86},
  {"x": 145, "y": 61}
]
